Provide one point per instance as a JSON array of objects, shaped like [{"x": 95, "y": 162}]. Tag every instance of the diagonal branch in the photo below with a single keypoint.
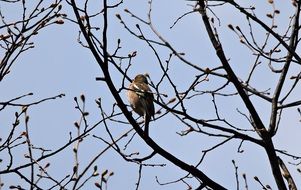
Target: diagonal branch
[
  {"x": 258, "y": 125},
  {"x": 267, "y": 28},
  {"x": 191, "y": 169},
  {"x": 292, "y": 46},
  {"x": 286, "y": 174}
]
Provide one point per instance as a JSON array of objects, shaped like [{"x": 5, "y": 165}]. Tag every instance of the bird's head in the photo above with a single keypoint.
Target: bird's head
[{"x": 141, "y": 78}]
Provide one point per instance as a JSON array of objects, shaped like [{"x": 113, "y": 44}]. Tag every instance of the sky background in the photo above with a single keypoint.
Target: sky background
[{"x": 59, "y": 64}]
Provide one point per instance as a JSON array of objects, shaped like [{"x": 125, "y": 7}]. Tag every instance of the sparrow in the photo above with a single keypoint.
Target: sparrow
[{"x": 141, "y": 98}]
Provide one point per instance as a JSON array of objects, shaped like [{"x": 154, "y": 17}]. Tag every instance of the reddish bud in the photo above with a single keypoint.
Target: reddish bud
[
  {"x": 82, "y": 97},
  {"x": 118, "y": 16},
  {"x": 97, "y": 185},
  {"x": 104, "y": 173},
  {"x": 231, "y": 26},
  {"x": 269, "y": 15},
  {"x": 59, "y": 21}
]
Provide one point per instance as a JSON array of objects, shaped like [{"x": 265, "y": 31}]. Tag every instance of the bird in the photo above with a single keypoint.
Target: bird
[{"x": 141, "y": 98}]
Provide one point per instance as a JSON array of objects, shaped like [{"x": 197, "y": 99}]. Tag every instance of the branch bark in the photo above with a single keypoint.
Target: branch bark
[
  {"x": 103, "y": 65},
  {"x": 292, "y": 46},
  {"x": 258, "y": 124}
]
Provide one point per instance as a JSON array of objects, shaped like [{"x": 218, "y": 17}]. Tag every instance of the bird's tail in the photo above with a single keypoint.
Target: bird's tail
[{"x": 147, "y": 119}]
